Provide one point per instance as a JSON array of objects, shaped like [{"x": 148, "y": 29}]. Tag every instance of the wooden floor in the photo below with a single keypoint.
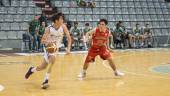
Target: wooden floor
[{"x": 100, "y": 81}]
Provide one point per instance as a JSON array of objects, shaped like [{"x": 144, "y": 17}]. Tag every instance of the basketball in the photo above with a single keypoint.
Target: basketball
[{"x": 51, "y": 48}]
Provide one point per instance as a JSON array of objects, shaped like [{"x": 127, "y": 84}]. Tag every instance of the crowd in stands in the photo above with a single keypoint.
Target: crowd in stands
[
  {"x": 138, "y": 37},
  {"x": 120, "y": 37},
  {"x": 86, "y": 3},
  {"x": 35, "y": 32}
]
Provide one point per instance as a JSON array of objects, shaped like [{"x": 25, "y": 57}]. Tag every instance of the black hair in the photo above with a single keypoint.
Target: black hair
[
  {"x": 117, "y": 25},
  {"x": 87, "y": 24},
  {"x": 57, "y": 16},
  {"x": 137, "y": 24},
  {"x": 103, "y": 20},
  {"x": 120, "y": 22}
]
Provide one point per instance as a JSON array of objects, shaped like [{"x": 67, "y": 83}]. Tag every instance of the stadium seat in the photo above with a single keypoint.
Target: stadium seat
[
  {"x": 12, "y": 10},
  {"x": 88, "y": 18},
  {"x": 30, "y": 10},
  {"x": 3, "y": 35},
  {"x": 3, "y": 10},
  {"x": 80, "y": 11},
  {"x": 12, "y": 34},
  {"x": 15, "y": 26},
  {"x": 14, "y": 3},
  {"x": 18, "y": 18},
  {"x": 8, "y": 18},
  {"x": 88, "y": 11},
  {"x": 21, "y": 10},
  {"x": 80, "y": 17},
  {"x": 24, "y": 26},
  {"x": 23, "y": 3},
  {"x": 73, "y": 10},
  {"x": 31, "y": 3}
]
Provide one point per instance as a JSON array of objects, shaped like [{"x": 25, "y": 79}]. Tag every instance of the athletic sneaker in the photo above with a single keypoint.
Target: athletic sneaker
[
  {"x": 29, "y": 72},
  {"x": 118, "y": 73},
  {"x": 45, "y": 84},
  {"x": 82, "y": 74}
]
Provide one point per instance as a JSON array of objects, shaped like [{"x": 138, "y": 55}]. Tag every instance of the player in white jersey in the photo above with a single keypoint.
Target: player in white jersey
[{"x": 52, "y": 40}]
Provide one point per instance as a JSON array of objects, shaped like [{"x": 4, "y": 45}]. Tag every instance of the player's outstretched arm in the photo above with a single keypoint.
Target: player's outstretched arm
[
  {"x": 89, "y": 33},
  {"x": 107, "y": 44},
  {"x": 68, "y": 37},
  {"x": 44, "y": 37}
]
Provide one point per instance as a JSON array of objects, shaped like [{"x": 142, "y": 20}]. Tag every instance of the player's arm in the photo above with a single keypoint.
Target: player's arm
[
  {"x": 68, "y": 38},
  {"x": 44, "y": 37},
  {"x": 90, "y": 33},
  {"x": 107, "y": 44}
]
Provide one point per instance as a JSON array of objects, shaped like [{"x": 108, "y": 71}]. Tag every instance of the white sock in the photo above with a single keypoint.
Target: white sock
[
  {"x": 33, "y": 69},
  {"x": 84, "y": 71},
  {"x": 46, "y": 76},
  {"x": 134, "y": 45},
  {"x": 116, "y": 71}
]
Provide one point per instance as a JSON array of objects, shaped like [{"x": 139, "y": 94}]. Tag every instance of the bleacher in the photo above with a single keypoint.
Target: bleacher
[
  {"x": 154, "y": 12},
  {"x": 14, "y": 21}
]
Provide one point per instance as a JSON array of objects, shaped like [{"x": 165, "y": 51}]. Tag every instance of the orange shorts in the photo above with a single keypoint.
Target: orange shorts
[{"x": 93, "y": 52}]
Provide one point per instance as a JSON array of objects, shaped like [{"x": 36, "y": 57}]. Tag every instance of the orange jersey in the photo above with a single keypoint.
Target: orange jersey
[{"x": 99, "y": 38}]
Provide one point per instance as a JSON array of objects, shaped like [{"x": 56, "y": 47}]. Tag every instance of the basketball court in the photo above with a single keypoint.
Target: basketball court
[{"x": 147, "y": 74}]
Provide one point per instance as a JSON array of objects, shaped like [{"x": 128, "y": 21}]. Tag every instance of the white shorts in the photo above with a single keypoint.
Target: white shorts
[{"x": 46, "y": 54}]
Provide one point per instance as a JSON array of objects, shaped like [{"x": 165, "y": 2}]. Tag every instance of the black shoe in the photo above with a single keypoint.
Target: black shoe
[
  {"x": 27, "y": 75},
  {"x": 45, "y": 84}
]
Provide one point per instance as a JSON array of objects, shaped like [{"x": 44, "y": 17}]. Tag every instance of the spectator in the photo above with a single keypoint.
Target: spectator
[
  {"x": 76, "y": 35},
  {"x": 81, "y": 3},
  {"x": 91, "y": 4},
  {"x": 148, "y": 35},
  {"x": 131, "y": 36},
  {"x": 1, "y": 3},
  {"x": 86, "y": 40},
  {"x": 40, "y": 34},
  {"x": 124, "y": 37},
  {"x": 43, "y": 18},
  {"x": 69, "y": 25},
  {"x": 26, "y": 41},
  {"x": 139, "y": 37},
  {"x": 9, "y": 2},
  {"x": 33, "y": 30},
  {"x": 120, "y": 34},
  {"x": 87, "y": 28}
]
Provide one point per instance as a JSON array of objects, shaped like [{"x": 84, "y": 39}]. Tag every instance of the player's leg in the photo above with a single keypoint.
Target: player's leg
[
  {"x": 113, "y": 66},
  {"x": 150, "y": 40},
  {"x": 134, "y": 41},
  {"x": 105, "y": 55},
  {"x": 142, "y": 39},
  {"x": 90, "y": 58},
  {"x": 46, "y": 78},
  {"x": 32, "y": 70},
  {"x": 82, "y": 74},
  {"x": 130, "y": 36}
]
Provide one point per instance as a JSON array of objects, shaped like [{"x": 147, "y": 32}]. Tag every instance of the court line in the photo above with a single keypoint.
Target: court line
[
  {"x": 133, "y": 73},
  {"x": 163, "y": 64},
  {"x": 4, "y": 55},
  {"x": 84, "y": 52}
]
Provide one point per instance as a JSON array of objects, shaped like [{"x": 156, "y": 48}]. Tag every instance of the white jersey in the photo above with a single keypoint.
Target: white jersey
[{"x": 56, "y": 35}]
